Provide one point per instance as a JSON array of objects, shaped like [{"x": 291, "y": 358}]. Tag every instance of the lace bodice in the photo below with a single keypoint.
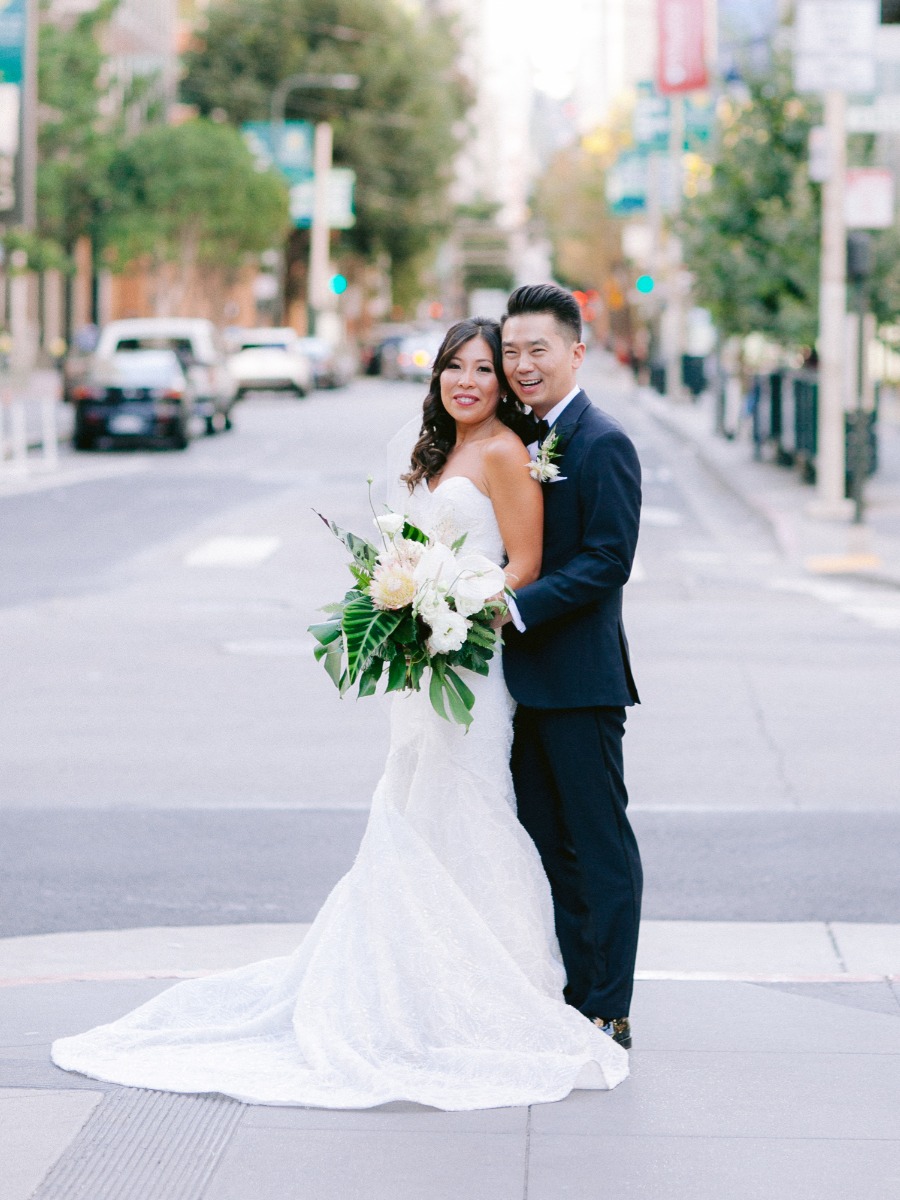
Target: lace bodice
[{"x": 457, "y": 507}]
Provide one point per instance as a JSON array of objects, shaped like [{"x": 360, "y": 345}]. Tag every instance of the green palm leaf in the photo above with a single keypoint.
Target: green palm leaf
[{"x": 366, "y": 628}]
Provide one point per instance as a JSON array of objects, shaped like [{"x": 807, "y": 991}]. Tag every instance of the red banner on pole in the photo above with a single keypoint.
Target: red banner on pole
[{"x": 682, "y": 50}]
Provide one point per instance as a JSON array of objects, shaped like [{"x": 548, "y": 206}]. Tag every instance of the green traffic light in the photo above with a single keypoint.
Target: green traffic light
[
  {"x": 645, "y": 284},
  {"x": 338, "y": 284}
]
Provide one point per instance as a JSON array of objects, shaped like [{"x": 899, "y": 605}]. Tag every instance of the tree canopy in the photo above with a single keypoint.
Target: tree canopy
[
  {"x": 397, "y": 131},
  {"x": 752, "y": 240},
  {"x": 192, "y": 194}
]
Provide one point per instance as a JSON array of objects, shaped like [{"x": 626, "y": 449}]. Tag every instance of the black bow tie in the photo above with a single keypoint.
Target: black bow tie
[{"x": 541, "y": 430}]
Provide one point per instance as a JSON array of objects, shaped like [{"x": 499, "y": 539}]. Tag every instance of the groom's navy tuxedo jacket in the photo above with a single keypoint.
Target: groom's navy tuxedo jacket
[{"x": 573, "y": 653}]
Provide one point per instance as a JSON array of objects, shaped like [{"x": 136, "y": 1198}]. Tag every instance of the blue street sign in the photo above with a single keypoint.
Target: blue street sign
[
  {"x": 626, "y": 183},
  {"x": 287, "y": 146},
  {"x": 14, "y": 18}
]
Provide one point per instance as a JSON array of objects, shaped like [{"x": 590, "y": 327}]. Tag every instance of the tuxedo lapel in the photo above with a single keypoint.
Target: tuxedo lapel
[{"x": 571, "y": 415}]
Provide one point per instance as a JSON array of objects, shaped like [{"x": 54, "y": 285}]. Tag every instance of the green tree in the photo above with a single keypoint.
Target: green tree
[
  {"x": 192, "y": 195},
  {"x": 752, "y": 240},
  {"x": 570, "y": 199},
  {"x": 82, "y": 122},
  {"x": 397, "y": 131}
]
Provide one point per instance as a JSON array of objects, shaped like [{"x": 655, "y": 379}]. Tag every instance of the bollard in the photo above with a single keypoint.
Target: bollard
[
  {"x": 49, "y": 437},
  {"x": 19, "y": 430}
]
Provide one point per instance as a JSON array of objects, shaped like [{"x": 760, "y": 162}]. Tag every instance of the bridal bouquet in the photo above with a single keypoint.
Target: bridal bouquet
[{"x": 417, "y": 605}]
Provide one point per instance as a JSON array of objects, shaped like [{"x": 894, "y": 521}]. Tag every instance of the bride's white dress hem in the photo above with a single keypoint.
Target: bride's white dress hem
[{"x": 431, "y": 974}]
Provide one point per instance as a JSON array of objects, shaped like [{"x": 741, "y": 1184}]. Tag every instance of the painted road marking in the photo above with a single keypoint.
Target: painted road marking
[
  {"x": 272, "y": 647},
  {"x": 233, "y": 551},
  {"x": 878, "y": 609}
]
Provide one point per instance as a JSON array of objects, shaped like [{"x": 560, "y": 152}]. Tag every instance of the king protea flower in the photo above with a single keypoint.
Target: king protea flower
[{"x": 392, "y": 586}]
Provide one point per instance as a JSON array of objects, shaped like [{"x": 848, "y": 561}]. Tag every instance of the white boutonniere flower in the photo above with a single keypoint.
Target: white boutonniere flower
[{"x": 542, "y": 467}]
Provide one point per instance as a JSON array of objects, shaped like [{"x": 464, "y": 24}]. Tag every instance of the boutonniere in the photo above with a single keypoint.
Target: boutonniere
[{"x": 542, "y": 467}]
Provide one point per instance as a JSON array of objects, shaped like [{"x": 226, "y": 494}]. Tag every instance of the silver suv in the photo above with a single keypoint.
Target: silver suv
[{"x": 200, "y": 351}]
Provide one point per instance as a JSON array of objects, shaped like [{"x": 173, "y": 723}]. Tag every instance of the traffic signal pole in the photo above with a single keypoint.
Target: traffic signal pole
[
  {"x": 830, "y": 456},
  {"x": 674, "y": 316},
  {"x": 320, "y": 231}
]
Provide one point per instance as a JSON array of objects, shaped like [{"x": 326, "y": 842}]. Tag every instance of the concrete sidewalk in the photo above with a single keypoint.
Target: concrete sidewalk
[
  {"x": 785, "y": 1087},
  {"x": 816, "y": 547}
]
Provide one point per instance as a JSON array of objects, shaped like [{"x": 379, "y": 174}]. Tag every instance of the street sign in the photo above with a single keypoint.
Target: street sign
[
  {"x": 681, "y": 65},
  {"x": 286, "y": 145},
  {"x": 651, "y": 121},
  {"x": 626, "y": 184},
  {"x": 881, "y": 117},
  {"x": 834, "y": 45},
  {"x": 13, "y": 32},
  {"x": 341, "y": 182},
  {"x": 869, "y": 198}
]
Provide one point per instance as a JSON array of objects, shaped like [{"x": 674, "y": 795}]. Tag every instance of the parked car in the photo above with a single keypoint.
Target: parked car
[
  {"x": 134, "y": 396},
  {"x": 270, "y": 360},
  {"x": 200, "y": 351},
  {"x": 75, "y": 362},
  {"x": 332, "y": 366},
  {"x": 416, "y": 354},
  {"x": 379, "y": 353}
]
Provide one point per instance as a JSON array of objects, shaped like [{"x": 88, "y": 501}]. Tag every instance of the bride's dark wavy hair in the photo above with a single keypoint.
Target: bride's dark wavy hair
[{"x": 438, "y": 435}]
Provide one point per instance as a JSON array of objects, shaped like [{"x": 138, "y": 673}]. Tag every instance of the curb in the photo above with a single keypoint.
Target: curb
[{"x": 750, "y": 501}]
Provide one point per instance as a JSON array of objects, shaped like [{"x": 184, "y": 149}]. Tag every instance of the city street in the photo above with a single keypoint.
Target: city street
[
  {"x": 173, "y": 755},
  {"x": 181, "y": 786}
]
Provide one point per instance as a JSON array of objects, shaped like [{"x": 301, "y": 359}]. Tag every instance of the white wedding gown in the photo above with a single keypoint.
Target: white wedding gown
[{"x": 431, "y": 973}]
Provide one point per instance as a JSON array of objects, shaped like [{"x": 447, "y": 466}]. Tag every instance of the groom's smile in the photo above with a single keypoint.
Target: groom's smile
[{"x": 540, "y": 359}]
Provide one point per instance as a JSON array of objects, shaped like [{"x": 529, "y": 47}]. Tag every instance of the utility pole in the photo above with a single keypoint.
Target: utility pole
[
  {"x": 320, "y": 231},
  {"x": 830, "y": 455},
  {"x": 674, "y": 315}
]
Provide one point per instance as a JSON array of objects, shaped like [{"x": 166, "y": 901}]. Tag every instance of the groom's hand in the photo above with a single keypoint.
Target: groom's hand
[{"x": 502, "y": 618}]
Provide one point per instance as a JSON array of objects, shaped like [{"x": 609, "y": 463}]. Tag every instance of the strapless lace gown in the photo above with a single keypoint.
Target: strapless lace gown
[{"x": 431, "y": 973}]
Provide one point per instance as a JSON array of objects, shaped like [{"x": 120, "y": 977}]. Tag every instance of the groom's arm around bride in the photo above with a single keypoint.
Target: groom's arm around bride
[{"x": 569, "y": 668}]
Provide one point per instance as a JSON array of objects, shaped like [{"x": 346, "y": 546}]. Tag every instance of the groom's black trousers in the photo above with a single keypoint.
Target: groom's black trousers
[{"x": 571, "y": 797}]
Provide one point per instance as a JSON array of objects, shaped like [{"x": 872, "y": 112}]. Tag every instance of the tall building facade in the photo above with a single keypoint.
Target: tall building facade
[
  {"x": 615, "y": 49},
  {"x": 141, "y": 40}
]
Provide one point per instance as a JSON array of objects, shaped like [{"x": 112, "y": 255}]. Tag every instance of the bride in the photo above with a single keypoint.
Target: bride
[{"x": 432, "y": 972}]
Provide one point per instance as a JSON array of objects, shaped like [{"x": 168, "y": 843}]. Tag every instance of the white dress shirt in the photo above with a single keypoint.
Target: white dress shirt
[{"x": 554, "y": 414}]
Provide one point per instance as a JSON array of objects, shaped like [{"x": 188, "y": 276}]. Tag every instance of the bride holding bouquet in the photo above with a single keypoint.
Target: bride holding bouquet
[{"x": 432, "y": 972}]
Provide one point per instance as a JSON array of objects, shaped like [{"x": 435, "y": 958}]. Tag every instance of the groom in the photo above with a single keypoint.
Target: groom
[{"x": 566, "y": 662}]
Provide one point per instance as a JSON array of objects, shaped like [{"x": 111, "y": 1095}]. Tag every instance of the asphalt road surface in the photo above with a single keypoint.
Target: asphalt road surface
[{"x": 170, "y": 753}]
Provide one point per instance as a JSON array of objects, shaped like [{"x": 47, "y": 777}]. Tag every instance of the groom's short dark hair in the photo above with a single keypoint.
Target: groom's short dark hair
[{"x": 546, "y": 298}]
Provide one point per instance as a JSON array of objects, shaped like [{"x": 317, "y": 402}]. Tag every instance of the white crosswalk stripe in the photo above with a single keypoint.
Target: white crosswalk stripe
[
  {"x": 879, "y": 608},
  {"x": 233, "y": 551}
]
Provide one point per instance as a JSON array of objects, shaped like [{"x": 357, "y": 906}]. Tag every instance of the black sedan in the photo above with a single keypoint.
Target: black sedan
[{"x": 134, "y": 396}]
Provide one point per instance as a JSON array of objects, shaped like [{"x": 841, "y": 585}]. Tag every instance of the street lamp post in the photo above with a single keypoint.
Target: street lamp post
[{"x": 320, "y": 229}]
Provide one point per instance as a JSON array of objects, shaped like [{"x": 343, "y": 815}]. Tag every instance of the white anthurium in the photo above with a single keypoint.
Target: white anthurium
[
  {"x": 477, "y": 580},
  {"x": 437, "y": 567}
]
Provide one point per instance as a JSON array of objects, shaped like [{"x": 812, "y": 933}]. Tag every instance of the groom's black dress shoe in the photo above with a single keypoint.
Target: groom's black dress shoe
[{"x": 618, "y": 1028}]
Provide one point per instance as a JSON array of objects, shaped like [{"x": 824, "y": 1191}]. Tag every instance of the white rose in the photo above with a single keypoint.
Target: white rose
[
  {"x": 448, "y": 632},
  {"x": 390, "y": 524},
  {"x": 477, "y": 579}
]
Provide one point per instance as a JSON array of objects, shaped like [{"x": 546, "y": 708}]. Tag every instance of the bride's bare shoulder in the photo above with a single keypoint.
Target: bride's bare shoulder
[{"x": 505, "y": 449}]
